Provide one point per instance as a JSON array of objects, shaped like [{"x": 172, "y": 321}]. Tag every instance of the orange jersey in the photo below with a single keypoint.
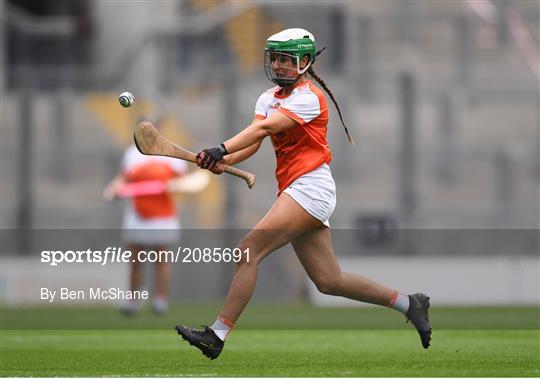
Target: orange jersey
[
  {"x": 303, "y": 147},
  {"x": 138, "y": 167}
]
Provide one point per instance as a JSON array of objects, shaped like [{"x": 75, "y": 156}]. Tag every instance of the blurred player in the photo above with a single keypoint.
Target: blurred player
[
  {"x": 295, "y": 116},
  {"x": 150, "y": 222}
]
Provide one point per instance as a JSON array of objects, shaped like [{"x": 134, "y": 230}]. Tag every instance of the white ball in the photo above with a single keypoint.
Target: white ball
[{"x": 126, "y": 99}]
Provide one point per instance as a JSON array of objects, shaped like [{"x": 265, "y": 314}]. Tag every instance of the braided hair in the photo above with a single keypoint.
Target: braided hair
[{"x": 325, "y": 87}]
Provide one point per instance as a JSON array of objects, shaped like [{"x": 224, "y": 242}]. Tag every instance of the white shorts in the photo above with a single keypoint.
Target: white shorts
[
  {"x": 154, "y": 231},
  {"x": 315, "y": 192}
]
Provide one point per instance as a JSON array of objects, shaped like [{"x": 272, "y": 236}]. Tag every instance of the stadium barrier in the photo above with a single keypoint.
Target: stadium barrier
[{"x": 456, "y": 281}]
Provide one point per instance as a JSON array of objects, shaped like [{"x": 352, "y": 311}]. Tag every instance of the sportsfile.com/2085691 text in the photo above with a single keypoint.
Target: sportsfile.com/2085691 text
[{"x": 118, "y": 255}]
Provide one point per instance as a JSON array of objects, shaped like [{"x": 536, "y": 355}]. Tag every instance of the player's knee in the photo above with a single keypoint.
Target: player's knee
[
  {"x": 244, "y": 262},
  {"x": 249, "y": 252},
  {"x": 328, "y": 286}
]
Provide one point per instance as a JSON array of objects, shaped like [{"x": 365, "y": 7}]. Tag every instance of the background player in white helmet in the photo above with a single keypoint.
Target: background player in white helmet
[{"x": 295, "y": 116}]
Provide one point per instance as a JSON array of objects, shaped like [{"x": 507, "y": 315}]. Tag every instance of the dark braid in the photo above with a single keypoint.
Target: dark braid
[{"x": 325, "y": 87}]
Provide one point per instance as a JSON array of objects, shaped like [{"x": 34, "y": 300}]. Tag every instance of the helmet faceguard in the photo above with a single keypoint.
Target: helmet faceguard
[
  {"x": 278, "y": 71},
  {"x": 289, "y": 44}
]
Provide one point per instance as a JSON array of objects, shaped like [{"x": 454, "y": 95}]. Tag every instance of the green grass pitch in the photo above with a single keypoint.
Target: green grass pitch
[{"x": 271, "y": 340}]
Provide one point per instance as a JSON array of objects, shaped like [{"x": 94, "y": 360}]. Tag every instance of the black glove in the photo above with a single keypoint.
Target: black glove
[{"x": 209, "y": 157}]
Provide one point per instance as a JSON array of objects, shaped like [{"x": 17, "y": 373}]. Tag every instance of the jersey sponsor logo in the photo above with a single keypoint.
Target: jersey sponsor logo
[
  {"x": 283, "y": 147},
  {"x": 275, "y": 105}
]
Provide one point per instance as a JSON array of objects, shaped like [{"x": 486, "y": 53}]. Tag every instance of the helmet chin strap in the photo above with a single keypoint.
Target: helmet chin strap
[{"x": 312, "y": 60}]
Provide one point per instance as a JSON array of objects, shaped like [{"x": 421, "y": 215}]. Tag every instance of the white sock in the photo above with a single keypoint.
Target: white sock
[
  {"x": 161, "y": 305},
  {"x": 222, "y": 327},
  {"x": 399, "y": 301},
  {"x": 130, "y": 306}
]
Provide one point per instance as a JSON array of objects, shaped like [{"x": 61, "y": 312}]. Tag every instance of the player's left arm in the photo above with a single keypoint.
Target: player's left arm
[
  {"x": 302, "y": 108},
  {"x": 250, "y": 136},
  {"x": 258, "y": 130}
]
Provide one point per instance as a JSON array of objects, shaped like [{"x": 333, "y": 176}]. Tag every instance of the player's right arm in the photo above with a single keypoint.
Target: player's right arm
[
  {"x": 238, "y": 157},
  {"x": 242, "y": 155}
]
